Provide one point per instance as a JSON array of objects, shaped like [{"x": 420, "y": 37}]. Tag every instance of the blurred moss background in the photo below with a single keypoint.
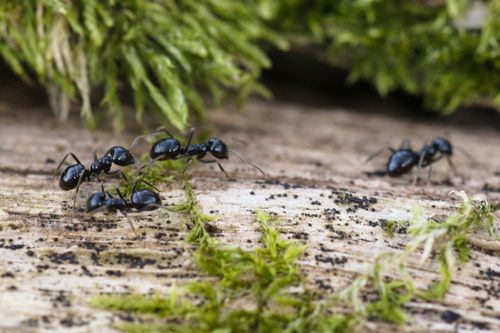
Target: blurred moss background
[{"x": 171, "y": 53}]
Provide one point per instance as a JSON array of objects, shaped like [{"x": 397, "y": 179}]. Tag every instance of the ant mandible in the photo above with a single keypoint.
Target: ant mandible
[{"x": 74, "y": 175}]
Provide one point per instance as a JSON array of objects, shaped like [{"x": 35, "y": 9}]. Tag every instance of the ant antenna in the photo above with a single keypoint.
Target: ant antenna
[
  {"x": 372, "y": 156},
  {"x": 190, "y": 137},
  {"x": 247, "y": 162},
  {"x": 145, "y": 165},
  {"x": 467, "y": 155},
  {"x": 65, "y": 158}
]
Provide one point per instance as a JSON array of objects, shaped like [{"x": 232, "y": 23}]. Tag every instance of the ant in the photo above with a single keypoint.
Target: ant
[
  {"x": 171, "y": 149},
  {"x": 217, "y": 148},
  {"x": 404, "y": 159},
  {"x": 140, "y": 201},
  {"x": 74, "y": 175}
]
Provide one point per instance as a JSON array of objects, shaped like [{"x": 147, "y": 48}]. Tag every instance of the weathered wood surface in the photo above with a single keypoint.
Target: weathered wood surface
[{"x": 52, "y": 259}]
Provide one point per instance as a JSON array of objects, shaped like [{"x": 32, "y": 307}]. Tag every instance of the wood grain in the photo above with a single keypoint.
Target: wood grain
[{"x": 52, "y": 259}]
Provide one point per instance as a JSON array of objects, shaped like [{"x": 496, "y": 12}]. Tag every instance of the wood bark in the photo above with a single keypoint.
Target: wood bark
[{"x": 53, "y": 259}]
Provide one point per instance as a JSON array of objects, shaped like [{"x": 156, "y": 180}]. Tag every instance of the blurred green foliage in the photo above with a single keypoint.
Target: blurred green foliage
[
  {"x": 428, "y": 48},
  {"x": 165, "y": 51}
]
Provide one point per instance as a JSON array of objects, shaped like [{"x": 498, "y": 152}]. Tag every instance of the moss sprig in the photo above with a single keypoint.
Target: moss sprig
[{"x": 385, "y": 287}]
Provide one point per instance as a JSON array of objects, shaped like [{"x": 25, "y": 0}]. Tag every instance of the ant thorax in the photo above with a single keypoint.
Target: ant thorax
[
  {"x": 199, "y": 150},
  {"x": 101, "y": 165}
]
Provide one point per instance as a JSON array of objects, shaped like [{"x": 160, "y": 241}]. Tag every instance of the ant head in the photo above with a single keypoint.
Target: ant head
[
  {"x": 168, "y": 148},
  {"x": 218, "y": 148},
  {"x": 443, "y": 145},
  {"x": 121, "y": 156},
  {"x": 96, "y": 201}
]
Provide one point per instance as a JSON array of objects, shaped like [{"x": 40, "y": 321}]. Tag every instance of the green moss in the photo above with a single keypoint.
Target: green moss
[
  {"x": 450, "y": 238},
  {"x": 391, "y": 226},
  {"x": 411, "y": 45},
  {"x": 167, "y": 51},
  {"x": 264, "y": 290},
  {"x": 163, "y": 50},
  {"x": 267, "y": 279}
]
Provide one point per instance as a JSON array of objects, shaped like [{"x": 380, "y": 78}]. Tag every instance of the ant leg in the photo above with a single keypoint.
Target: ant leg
[
  {"x": 141, "y": 180},
  {"x": 222, "y": 169},
  {"x": 125, "y": 215},
  {"x": 452, "y": 166},
  {"x": 190, "y": 137},
  {"x": 120, "y": 194},
  {"x": 161, "y": 130},
  {"x": 80, "y": 181},
  {"x": 65, "y": 158},
  {"x": 429, "y": 175},
  {"x": 149, "y": 184},
  {"x": 218, "y": 163},
  {"x": 188, "y": 163},
  {"x": 419, "y": 166},
  {"x": 145, "y": 165},
  {"x": 148, "y": 206},
  {"x": 247, "y": 162}
]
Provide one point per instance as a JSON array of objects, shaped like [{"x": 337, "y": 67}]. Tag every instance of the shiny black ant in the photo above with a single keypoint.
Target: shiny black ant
[
  {"x": 404, "y": 159},
  {"x": 171, "y": 149},
  {"x": 217, "y": 148},
  {"x": 140, "y": 201},
  {"x": 74, "y": 175}
]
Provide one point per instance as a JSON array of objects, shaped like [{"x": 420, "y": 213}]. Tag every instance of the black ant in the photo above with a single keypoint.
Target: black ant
[
  {"x": 403, "y": 159},
  {"x": 74, "y": 175},
  {"x": 140, "y": 201},
  {"x": 217, "y": 148},
  {"x": 171, "y": 149}
]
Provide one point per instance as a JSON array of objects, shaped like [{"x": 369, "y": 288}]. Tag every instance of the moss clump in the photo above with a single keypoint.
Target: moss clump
[
  {"x": 163, "y": 50},
  {"x": 427, "y": 48}
]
